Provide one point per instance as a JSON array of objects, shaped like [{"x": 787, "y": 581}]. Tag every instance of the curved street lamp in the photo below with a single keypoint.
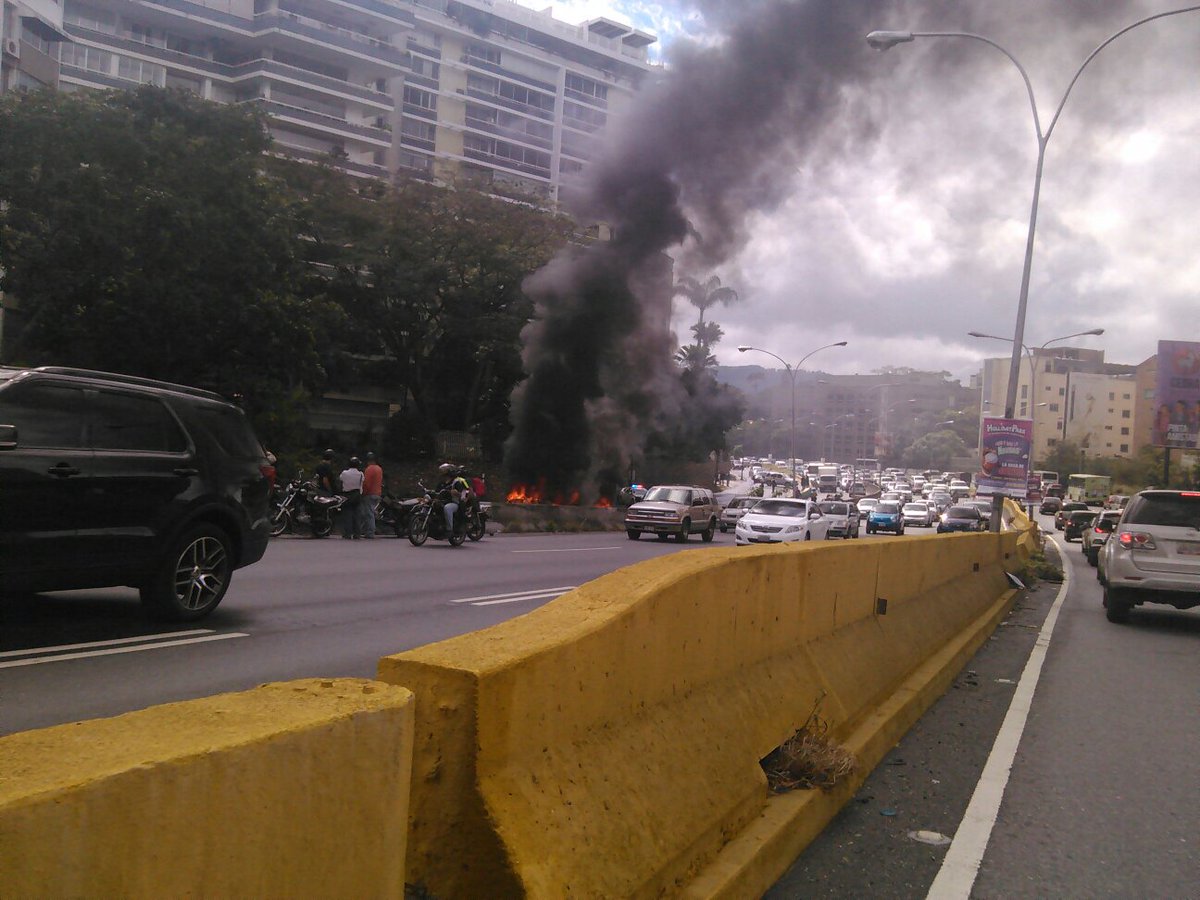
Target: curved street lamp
[
  {"x": 792, "y": 370},
  {"x": 883, "y": 40},
  {"x": 1033, "y": 370}
]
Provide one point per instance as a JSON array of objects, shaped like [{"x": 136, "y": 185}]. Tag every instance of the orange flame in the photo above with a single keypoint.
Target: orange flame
[
  {"x": 604, "y": 503},
  {"x": 529, "y": 493}
]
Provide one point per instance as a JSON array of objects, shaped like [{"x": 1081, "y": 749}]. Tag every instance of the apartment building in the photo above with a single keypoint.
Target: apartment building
[
  {"x": 489, "y": 90},
  {"x": 1070, "y": 394}
]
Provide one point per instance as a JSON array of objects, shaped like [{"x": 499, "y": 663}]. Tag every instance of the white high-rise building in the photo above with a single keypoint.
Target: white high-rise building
[{"x": 503, "y": 95}]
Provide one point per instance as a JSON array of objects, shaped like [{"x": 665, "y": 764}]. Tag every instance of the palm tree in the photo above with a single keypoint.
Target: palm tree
[
  {"x": 706, "y": 295},
  {"x": 708, "y": 333},
  {"x": 695, "y": 357}
]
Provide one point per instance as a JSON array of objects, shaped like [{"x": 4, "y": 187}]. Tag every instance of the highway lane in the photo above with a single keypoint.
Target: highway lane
[
  {"x": 310, "y": 608},
  {"x": 1102, "y": 799}
]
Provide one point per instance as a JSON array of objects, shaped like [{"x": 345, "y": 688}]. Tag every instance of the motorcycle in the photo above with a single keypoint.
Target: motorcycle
[
  {"x": 395, "y": 515},
  {"x": 477, "y": 517},
  {"x": 429, "y": 521},
  {"x": 303, "y": 504}
]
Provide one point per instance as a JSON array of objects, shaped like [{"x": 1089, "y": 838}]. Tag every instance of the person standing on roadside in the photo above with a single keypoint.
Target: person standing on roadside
[
  {"x": 372, "y": 495},
  {"x": 352, "y": 482},
  {"x": 324, "y": 474}
]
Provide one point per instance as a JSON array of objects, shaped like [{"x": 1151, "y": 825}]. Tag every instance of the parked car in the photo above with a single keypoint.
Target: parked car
[
  {"x": 887, "y": 516},
  {"x": 674, "y": 509},
  {"x": 734, "y": 510},
  {"x": 1077, "y": 522},
  {"x": 1095, "y": 536},
  {"x": 1153, "y": 555},
  {"x": 842, "y": 516},
  {"x": 1060, "y": 517},
  {"x": 961, "y": 518},
  {"x": 109, "y": 480},
  {"x": 781, "y": 520},
  {"x": 1050, "y": 506},
  {"x": 917, "y": 514}
]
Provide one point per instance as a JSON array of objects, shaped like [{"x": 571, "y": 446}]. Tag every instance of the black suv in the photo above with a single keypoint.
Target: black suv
[{"x": 111, "y": 480}]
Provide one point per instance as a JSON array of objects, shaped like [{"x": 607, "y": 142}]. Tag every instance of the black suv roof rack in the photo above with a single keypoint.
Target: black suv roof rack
[{"x": 133, "y": 380}]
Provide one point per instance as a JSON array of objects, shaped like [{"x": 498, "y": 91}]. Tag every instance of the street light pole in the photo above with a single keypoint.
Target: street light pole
[
  {"x": 882, "y": 40},
  {"x": 792, "y": 370}
]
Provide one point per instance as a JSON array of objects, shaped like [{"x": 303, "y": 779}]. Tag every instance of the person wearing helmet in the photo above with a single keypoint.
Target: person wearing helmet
[
  {"x": 324, "y": 475},
  {"x": 450, "y": 489},
  {"x": 352, "y": 482}
]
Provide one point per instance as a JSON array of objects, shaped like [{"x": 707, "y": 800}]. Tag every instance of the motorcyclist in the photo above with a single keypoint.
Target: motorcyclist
[{"x": 450, "y": 491}]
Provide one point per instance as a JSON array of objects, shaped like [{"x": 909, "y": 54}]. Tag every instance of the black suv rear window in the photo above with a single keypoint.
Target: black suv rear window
[
  {"x": 228, "y": 428},
  {"x": 129, "y": 422},
  {"x": 1164, "y": 509}
]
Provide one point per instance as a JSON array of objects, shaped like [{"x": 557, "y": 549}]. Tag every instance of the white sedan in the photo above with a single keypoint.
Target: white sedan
[{"x": 778, "y": 520}]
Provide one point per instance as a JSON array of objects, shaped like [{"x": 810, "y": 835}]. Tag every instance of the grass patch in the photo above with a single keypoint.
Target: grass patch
[
  {"x": 1039, "y": 568},
  {"x": 808, "y": 759}
]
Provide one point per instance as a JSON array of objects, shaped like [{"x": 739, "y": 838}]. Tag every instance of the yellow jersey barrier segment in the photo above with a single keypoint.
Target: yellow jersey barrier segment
[
  {"x": 298, "y": 789},
  {"x": 608, "y": 743}
]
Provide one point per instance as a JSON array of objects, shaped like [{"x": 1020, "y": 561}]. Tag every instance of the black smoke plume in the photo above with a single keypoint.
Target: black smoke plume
[{"x": 716, "y": 138}]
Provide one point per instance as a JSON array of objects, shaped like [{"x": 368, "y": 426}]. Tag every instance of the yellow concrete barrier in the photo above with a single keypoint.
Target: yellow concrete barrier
[
  {"x": 290, "y": 790},
  {"x": 608, "y": 744}
]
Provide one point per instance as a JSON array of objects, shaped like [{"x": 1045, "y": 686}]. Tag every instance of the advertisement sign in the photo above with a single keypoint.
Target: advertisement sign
[
  {"x": 1004, "y": 450},
  {"x": 1177, "y": 398}
]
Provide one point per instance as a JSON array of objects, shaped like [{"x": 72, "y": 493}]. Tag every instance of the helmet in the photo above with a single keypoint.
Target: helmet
[
  {"x": 328, "y": 454},
  {"x": 355, "y": 462},
  {"x": 370, "y": 456},
  {"x": 447, "y": 468}
]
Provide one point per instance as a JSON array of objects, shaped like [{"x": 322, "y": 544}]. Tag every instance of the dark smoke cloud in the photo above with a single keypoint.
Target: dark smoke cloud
[{"x": 715, "y": 140}]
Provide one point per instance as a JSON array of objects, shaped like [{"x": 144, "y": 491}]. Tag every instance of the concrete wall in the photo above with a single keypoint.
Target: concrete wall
[
  {"x": 608, "y": 744},
  {"x": 289, "y": 790}
]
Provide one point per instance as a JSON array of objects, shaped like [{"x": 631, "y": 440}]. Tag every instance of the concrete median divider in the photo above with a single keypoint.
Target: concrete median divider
[
  {"x": 608, "y": 744},
  {"x": 297, "y": 789}
]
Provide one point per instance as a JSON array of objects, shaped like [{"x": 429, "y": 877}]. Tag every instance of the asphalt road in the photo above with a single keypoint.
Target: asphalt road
[{"x": 1103, "y": 798}]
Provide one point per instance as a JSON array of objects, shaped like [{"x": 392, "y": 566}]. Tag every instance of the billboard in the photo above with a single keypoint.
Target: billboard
[
  {"x": 1177, "y": 397},
  {"x": 1004, "y": 450}
]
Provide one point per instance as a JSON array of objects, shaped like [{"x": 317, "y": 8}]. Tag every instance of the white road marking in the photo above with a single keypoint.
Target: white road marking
[
  {"x": 961, "y": 864},
  {"x": 109, "y": 643},
  {"x": 199, "y": 639},
  {"x": 515, "y": 596},
  {"x": 568, "y": 550}
]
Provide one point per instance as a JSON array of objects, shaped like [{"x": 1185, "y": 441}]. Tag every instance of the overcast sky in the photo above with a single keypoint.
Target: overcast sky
[{"x": 903, "y": 224}]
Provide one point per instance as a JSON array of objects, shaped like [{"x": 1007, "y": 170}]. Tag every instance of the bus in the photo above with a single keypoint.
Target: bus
[
  {"x": 868, "y": 468},
  {"x": 1045, "y": 477},
  {"x": 1090, "y": 489}
]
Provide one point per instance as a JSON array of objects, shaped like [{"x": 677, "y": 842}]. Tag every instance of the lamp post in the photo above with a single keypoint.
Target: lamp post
[
  {"x": 792, "y": 370},
  {"x": 882, "y": 40},
  {"x": 1033, "y": 370}
]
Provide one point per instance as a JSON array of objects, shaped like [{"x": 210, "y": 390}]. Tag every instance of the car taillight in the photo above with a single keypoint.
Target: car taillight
[
  {"x": 1098, "y": 530},
  {"x": 1137, "y": 540}
]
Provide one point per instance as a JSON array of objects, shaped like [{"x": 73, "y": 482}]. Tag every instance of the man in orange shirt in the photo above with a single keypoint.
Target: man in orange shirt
[{"x": 372, "y": 494}]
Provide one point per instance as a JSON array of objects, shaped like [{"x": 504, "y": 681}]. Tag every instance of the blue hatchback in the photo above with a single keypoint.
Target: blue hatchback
[{"x": 885, "y": 517}]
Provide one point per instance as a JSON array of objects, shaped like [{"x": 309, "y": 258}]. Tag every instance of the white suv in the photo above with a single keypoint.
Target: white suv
[{"x": 1153, "y": 555}]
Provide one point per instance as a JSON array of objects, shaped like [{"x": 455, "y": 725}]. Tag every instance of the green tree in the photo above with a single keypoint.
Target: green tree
[
  {"x": 695, "y": 357},
  {"x": 705, "y": 295},
  {"x": 933, "y": 451},
  {"x": 139, "y": 234}
]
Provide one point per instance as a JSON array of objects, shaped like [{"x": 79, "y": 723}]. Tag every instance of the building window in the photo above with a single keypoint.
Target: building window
[
  {"x": 1148, "y": 394},
  {"x": 1062, "y": 392},
  {"x": 91, "y": 19},
  {"x": 141, "y": 71},
  {"x": 1125, "y": 414},
  {"x": 1024, "y": 392},
  {"x": 1124, "y": 448},
  {"x": 425, "y": 67},
  {"x": 481, "y": 53},
  {"x": 1050, "y": 442},
  {"x": 1053, "y": 407},
  {"x": 1124, "y": 431},
  {"x": 407, "y": 160},
  {"x": 419, "y": 129},
  {"x": 1112, "y": 396},
  {"x": 586, "y": 86},
  {"x": 83, "y": 57},
  {"x": 419, "y": 98}
]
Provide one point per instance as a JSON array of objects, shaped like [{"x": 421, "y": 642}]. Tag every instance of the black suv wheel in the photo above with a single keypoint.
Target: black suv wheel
[{"x": 193, "y": 576}]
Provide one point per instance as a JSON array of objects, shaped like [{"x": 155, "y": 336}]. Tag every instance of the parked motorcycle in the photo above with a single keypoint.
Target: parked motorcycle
[
  {"x": 429, "y": 521},
  {"x": 394, "y": 515},
  {"x": 303, "y": 505}
]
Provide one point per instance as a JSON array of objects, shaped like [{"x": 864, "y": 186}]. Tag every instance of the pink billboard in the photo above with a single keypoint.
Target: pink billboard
[
  {"x": 1004, "y": 448},
  {"x": 1177, "y": 398}
]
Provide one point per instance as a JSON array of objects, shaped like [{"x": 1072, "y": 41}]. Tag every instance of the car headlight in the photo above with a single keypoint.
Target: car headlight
[{"x": 792, "y": 529}]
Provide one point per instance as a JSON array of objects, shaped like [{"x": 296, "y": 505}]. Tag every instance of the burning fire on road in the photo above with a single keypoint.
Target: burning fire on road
[{"x": 538, "y": 493}]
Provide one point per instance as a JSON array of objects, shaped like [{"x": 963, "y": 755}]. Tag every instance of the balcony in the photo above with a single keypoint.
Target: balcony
[
  {"x": 259, "y": 67},
  {"x": 372, "y": 48},
  {"x": 377, "y": 137}
]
